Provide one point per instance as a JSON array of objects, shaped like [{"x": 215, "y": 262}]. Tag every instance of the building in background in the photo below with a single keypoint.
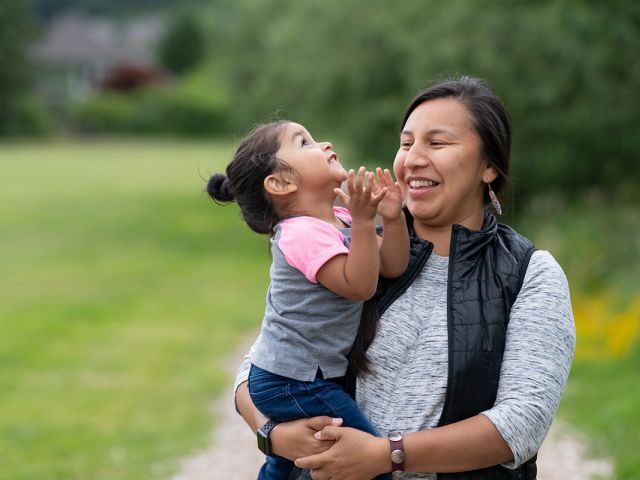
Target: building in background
[{"x": 77, "y": 54}]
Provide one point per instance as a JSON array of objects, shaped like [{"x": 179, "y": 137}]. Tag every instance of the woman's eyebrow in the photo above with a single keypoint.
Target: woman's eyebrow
[
  {"x": 436, "y": 131},
  {"x": 433, "y": 131}
]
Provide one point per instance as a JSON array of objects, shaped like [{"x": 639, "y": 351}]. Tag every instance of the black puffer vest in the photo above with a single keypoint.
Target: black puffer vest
[{"x": 486, "y": 270}]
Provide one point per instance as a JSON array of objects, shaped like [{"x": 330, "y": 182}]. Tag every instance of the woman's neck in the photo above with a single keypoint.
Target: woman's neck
[{"x": 440, "y": 234}]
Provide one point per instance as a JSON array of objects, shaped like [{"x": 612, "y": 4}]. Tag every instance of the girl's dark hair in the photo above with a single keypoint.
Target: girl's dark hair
[
  {"x": 488, "y": 115},
  {"x": 491, "y": 122},
  {"x": 254, "y": 160}
]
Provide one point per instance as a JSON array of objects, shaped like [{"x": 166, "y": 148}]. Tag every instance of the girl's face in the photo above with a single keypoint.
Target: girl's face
[
  {"x": 316, "y": 164},
  {"x": 439, "y": 165}
]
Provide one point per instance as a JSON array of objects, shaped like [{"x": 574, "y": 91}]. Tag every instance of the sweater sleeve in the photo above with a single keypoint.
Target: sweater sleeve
[
  {"x": 242, "y": 374},
  {"x": 539, "y": 349}
]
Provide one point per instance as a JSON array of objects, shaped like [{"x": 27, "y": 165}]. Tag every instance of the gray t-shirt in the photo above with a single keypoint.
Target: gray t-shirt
[
  {"x": 306, "y": 326},
  {"x": 407, "y": 386}
]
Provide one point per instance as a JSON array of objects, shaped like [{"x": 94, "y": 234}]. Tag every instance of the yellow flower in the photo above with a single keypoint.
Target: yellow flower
[{"x": 603, "y": 329}]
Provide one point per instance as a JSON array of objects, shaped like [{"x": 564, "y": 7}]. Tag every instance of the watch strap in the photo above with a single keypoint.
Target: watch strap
[{"x": 397, "y": 451}]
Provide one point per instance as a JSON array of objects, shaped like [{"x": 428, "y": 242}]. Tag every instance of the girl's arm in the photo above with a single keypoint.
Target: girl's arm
[
  {"x": 394, "y": 245},
  {"x": 355, "y": 275}
]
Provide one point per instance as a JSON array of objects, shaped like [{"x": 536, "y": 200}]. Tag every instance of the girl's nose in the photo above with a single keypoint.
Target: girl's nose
[{"x": 327, "y": 146}]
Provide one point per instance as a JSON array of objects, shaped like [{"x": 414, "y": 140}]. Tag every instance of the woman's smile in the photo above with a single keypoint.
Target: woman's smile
[{"x": 420, "y": 185}]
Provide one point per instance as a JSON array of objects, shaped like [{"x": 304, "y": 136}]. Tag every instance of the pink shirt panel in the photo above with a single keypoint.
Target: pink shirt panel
[{"x": 308, "y": 243}]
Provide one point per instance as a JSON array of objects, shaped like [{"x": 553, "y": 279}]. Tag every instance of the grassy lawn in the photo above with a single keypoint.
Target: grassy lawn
[
  {"x": 122, "y": 288},
  {"x": 597, "y": 241}
]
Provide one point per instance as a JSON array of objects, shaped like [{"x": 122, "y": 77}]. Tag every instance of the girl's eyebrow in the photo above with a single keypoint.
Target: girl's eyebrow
[{"x": 297, "y": 133}]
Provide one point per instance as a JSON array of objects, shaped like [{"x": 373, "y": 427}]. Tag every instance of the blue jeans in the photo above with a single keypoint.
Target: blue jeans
[{"x": 283, "y": 399}]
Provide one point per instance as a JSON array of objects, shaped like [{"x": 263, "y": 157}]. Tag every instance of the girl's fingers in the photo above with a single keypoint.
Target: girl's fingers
[
  {"x": 350, "y": 185},
  {"x": 388, "y": 178},
  {"x": 382, "y": 179},
  {"x": 370, "y": 181},
  {"x": 343, "y": 196},
  {"x": 360, "y": 178},
  {"x": 377, "y": 197}
]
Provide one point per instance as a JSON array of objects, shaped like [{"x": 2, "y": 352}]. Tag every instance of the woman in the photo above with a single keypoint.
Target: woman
[{"x": 474, "y": 342}]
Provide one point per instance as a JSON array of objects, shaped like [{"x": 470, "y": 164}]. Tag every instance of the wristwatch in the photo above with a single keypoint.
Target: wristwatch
[
  {"x": 397, "y": 451},
  {"x": 264, "y": 442}
]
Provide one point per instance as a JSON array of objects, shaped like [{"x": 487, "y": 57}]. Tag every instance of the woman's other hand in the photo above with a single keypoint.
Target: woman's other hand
[
  {"x": 297, "y": 438},
  {"x": 355, "y": 455}
]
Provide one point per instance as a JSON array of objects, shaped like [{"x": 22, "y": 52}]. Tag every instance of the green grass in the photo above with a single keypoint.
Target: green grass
[
  {"x": 603, "y": 400},
  {"x": 122, "y": 288},
  {"x": 596, "y": 240}
]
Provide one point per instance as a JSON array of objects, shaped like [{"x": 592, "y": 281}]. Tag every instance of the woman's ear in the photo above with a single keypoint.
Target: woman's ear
[
  {"x": 278, "y": 184},
  {"x": 490, "y": 174}
]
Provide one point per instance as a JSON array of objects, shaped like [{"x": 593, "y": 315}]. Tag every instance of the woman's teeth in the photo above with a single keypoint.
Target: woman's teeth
[{"x": 422, "y": 183}]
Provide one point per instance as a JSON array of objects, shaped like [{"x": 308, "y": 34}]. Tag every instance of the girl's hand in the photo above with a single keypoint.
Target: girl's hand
[
  {"x": 355, "y": 455},
  {"x": 390, "y": 207},
  {"x": 361, "y": 201},
  {"x": 296, "y": 438}
]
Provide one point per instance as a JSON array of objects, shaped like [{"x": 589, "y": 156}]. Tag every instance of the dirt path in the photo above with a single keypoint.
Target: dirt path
[{"x": 233, "y": 454}]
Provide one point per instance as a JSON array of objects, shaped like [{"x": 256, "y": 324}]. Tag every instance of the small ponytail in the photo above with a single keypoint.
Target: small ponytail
[
  {"x": 218, "y": 188},
  {"x": 253, "y": 161}
]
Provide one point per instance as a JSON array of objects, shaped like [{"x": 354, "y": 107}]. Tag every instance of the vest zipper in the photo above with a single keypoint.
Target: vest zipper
[{"x": 452, "y": 251}]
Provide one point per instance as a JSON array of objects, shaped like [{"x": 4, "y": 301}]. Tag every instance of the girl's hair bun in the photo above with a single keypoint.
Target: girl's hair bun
[{"x": 218, "y": 188}]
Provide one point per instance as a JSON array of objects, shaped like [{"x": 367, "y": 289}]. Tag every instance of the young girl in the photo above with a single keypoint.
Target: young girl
[{"x": 326, "y": 261}]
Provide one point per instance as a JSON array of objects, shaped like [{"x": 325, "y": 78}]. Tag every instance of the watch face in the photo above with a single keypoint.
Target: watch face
[
  {"x": 262, "y": 441},
  {"x": 397, "y": 456}
]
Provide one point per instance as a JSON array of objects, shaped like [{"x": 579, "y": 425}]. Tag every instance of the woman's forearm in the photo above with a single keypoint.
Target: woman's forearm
[
  {"x": 466, "y": 445},
  {"x": 292, "y": 439},
  {"x": 251, "y": 415}
]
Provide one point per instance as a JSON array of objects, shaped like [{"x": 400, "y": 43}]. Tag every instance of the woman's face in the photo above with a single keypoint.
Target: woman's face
[{"x": 439, "y": 164}]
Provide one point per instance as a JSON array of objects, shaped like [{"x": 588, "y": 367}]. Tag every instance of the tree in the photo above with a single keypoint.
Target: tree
[
  {"x": 184, "y": 44},
  {"x": 14, "y": 35}
]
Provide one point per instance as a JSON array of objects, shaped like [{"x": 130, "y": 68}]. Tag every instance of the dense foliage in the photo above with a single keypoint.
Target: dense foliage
[
  {"x": 184, "y": 45},
  {"x": 18, "y": 113},
  {"x": 566, "y": 70}
]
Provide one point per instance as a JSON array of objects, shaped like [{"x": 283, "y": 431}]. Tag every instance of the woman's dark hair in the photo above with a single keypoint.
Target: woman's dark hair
[
  {"x": 488, "y": 115},
  {"x": 254, "y": 160},
  {"x": 491, "y": 122}
]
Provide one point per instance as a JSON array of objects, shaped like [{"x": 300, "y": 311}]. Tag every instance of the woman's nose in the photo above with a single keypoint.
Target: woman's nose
[
  {"x": 415, "y": 158},
  {"x": 327, "y": 146}
]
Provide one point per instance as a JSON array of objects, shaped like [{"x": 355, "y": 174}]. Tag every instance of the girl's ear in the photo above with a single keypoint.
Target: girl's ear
[
  {"x": 490, "y": 174},
  {"x": 278, "y": 184}
]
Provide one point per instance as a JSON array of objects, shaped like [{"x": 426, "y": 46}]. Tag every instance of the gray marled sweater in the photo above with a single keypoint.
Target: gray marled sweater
[{"x": 406, "y": 389}]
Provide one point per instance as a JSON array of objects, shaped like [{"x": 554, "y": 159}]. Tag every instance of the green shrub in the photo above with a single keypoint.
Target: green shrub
[
  {"x": 180, "y": 109},
  {"x": 27, "y": 117},
  {"x": 104, "y": 112}
]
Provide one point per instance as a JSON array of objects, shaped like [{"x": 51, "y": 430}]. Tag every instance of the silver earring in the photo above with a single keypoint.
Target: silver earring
[{"x": 494, "y": 200}]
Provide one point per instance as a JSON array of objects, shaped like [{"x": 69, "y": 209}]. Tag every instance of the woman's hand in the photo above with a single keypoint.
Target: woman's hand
[
  {"x": 355, "y": 455},
  {"x": 390, "y": 207},
  {"x": 296, "y": 439}
]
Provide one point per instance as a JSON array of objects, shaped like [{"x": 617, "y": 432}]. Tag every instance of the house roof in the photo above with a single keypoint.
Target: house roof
[{"x": 76, "y": 39}]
